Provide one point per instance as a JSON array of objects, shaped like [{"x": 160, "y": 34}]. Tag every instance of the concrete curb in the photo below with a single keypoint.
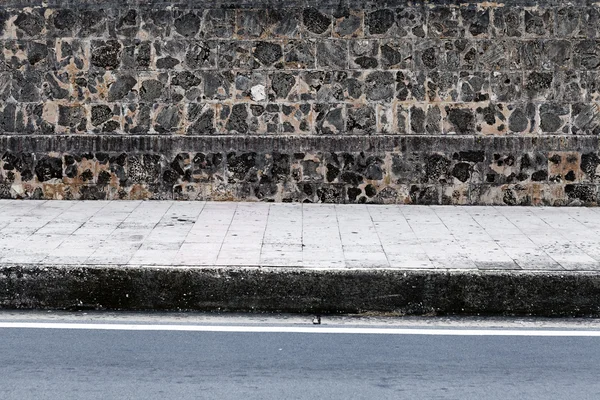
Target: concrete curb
[{"x": 400, "y": 292}]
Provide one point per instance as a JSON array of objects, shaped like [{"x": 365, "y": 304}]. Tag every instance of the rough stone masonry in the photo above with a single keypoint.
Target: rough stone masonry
[{"x": 424, "y": 102}]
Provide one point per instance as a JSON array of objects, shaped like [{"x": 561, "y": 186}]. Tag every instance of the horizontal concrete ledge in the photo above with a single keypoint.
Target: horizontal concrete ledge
[
  {"x": 400, "y": 292},
  {"x": 173, "y": 144},
  {"x": 282, "y": 4}
]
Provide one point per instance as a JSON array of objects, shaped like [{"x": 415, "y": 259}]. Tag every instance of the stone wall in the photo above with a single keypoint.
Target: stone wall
[{"x": 331, "y": 101}]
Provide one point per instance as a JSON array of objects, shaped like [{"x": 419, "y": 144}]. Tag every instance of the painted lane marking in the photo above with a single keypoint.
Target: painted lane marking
[{"x": 298, "y": 329}]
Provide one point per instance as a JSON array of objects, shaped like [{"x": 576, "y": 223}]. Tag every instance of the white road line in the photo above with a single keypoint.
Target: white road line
[{"x": 298, "y": 329}]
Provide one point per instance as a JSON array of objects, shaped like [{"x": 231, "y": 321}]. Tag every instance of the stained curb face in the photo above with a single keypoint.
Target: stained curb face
[{"x": 405, "y": 292}]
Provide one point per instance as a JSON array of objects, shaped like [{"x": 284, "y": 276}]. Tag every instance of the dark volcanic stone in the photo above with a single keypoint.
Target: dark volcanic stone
[
  {"x": 538, "y": 83},
  {"x": 379, "y": 22},
  {"x": 443, "y": 22},
  {"x": 379, "y": 86},
  {"x": 121, "y": 87},
  {"x": 202, "y": 121},
  {"x": 111, "y": 126},
  {"x": 49, "y": 168},
  {"x": 65, "y": 19},
  {"x": 507, "y": 86},
  {"x": 70, "y": 115},
  {"x": 550, "y": 122},
  {"x": 100, "y": 114},
  {"x": 539, "y": 176},
  {"x": 26, "y": 85},
  {"x": 241, "y": 165},
  {"x": 390, "y": 56},
  {"x": 151, "y": 89},
  {"x": 373, "y": 170},
  {"x": 417, "y": 120},
  {"x": 332, "y": 172},
  {"x": 508, "y": 20},
  {"x": 187, "y": 25},
  {"x": 7, "y": 118},
  {"x": 4, "y": 15},
  {"x": 462, "y": 120},
  {"x": 585, "y": 193},
  {"x": 551, "y": 117},
  {"x": 589, "y": 165},
  {"x": 329, "y": 194},
  {"x": 93, "y": 22},
  {"x": 366, "y": 62},
  {"x": 424, "y": 195},
  {"x": 517, "y": 122},
  {"x": 167, "y": 62},
  {"x": 217, "y": 86},
  {"x": 106, "y": 54},
  {"x": 251, "y": 23},
  {"x": 361, "y": 119},
  {"x": 30, "y": 22},
  {"x": 329, "y": 119},
  {"x": 429, "y": 57},
  {"x": 185, "y": 79},
  {"x": 478, "y": 21},
  {"x": 168, "y": 119},
  {"x": 370, "y": 190},
  {"x": 127, "y": 25},
  {"x": 332, "y": 53},
  {"x": 436, "y": 167},
  {"x": 473, "y": 156},
  {"x": 348, "y": 24},
  {"x": 299, "y": 54},
  {"x": 462, "y": 171},
  {"x": 87, "y": 175},
  {"x": 315, "y": 21},
  {"x": 281, "y": 166},
  {"x": 411, "y": 21},
  {"x": 351, "y": 178},
  {"x": 539, "y": 22},
  {"x": 284, "y": 22},
  {"x": 201, "y": 54},
  {"x": 585, "y": 119},
  {"x": 405, "y": 72},
  {"x": 586, "y": 54},
  {"x": 238, "y": 120},
  {"x": 37, "y": 52},
  {"x": 282, "y": 83},
  {"x": 353, "y": 193},
  {"x": 268, "y": 53}
]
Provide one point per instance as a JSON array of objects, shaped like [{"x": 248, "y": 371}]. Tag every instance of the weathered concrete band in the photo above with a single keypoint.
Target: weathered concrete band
[
  {"x": 286, "y": 4},
  {"x": 401, "y": 292},
  {"x": 172, "y": 145}
]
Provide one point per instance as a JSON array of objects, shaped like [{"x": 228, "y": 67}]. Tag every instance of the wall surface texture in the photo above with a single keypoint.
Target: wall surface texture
[{"x": 421, "y": 102}]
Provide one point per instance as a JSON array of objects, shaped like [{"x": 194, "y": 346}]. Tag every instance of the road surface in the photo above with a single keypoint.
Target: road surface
[{"x": 129, "y": 361}]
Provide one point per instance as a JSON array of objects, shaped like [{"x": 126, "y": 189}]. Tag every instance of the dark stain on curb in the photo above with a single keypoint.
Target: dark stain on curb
[{"x": 301, "y": 290}]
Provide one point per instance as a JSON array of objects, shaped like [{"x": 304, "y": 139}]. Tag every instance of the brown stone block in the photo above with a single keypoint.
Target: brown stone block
[
  {"x": 564, "y": 166},
  {"x": 296, "y": 118},
  {"x": 264, "y": 119}
]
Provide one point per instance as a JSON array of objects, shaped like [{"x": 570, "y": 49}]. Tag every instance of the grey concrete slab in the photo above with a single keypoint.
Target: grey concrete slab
[{"x": 168, "y": 233}]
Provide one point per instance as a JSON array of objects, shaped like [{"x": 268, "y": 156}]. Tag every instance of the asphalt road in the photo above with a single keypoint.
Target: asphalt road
[{"x": 113, "y": 364}]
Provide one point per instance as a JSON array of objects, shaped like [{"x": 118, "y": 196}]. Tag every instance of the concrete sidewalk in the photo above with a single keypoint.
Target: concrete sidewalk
[{"x": 311, "y": 257}]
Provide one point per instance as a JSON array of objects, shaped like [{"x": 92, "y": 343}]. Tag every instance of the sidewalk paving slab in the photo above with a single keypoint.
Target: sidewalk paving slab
[{"x": 299, "y": 257}]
